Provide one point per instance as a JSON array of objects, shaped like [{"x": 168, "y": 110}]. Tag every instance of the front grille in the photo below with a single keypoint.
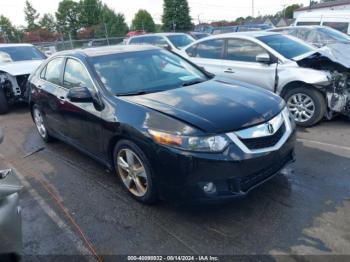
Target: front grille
[{"x": 264, "y": 142}]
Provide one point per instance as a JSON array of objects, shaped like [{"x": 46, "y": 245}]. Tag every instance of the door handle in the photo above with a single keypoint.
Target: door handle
[{"x": 229, "y": 70}]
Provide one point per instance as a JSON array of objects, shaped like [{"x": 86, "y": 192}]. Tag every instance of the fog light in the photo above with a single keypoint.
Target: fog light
[{"x": 209, "y": 188}]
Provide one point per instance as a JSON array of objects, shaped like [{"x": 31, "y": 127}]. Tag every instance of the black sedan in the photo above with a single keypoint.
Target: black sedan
[{"x": 165, "y": 126}]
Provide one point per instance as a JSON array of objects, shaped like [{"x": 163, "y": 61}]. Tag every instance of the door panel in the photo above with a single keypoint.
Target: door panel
[
  {"x": 240, "y": 63},
  {"x": 208, "y": 54},
  {"x": 83, "y": 119}
]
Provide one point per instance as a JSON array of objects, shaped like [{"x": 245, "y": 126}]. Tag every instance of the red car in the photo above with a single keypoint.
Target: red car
[{"x": 135, "y": 33}]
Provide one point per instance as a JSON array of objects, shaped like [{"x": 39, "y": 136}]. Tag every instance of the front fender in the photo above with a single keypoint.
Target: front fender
[{"x": 313, "y": 77}]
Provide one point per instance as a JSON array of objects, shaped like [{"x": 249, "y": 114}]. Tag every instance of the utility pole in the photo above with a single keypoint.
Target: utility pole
[
  {"x": 106, "y": 32},
  {"x": 252, "y": 8},
  {"x": 284, "y": 10}
]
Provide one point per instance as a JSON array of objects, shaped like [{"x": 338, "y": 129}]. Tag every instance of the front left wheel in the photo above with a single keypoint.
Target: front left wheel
[{"x": 134, "y": 171}]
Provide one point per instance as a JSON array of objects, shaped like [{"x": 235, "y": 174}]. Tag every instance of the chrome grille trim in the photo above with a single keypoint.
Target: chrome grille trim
[{"x": 261, "y": 131}]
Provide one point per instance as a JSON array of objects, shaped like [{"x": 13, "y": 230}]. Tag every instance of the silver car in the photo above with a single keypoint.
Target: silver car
[
  {"x": 312, "y": 84},
  {"x": 10, "y": 215}
]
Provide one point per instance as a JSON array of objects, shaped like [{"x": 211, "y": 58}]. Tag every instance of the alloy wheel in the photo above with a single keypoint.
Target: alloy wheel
[
  {"x": 39, "y": 122},
  {"x": 132, "y": 172},
  {"x": 301, "y": 106}
]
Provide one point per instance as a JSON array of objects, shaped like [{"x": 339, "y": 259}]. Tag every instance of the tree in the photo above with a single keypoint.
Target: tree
[
  {"x": 176, "y": 15},
  {"x": 48, "y": 23},
  {"x": 288, "y": 12},
  {"x": 30, "y": 15},
  {"x": 112, "y": 24},
  {"x": 67, "y": 17},
  {"x": 91, "y": 11},
  {"x": 8, "y": 33},
  {"x": 143, "y": 21}
]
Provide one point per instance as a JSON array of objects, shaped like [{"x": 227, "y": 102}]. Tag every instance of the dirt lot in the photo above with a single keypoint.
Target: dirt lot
[{"x": 72, "y": 205}]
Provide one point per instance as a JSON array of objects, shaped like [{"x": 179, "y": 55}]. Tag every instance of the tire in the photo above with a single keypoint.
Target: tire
[
  {"x": 308, "y": 95},
  {"x": 150, "y": 195},
  {"x": 45, "y": 135},
  {"x": 4, "y": 108}
]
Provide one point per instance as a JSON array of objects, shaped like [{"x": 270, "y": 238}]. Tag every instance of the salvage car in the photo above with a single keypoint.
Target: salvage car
[
  {"x": 165, "y": 126},
  {"x": 17, "y": 62},
  {"x": 314, "y": 83},
  {"x": 10, "y": 215},
  {"x": 317, "y": 36}
]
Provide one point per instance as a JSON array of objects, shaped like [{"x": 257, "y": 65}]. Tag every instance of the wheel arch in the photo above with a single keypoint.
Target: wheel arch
[{"x": 295, "y": 84}]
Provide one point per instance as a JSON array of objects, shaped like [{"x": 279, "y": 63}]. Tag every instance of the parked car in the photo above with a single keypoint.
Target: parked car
[
  {"x": 170, "y": 41},
  {"x": 215, "y": 30},
  {"x": 10, "y": 215},
  {"x": 314, "y": 85},
  {"x": 198, "y": 35},
  {"x": 166, "y": 126},
  {"x": 17, "y": 61},
  {"x": 339, "y": 20},
  {"x": 135, "y": 33},
  {"x": 318, "y": 36}
]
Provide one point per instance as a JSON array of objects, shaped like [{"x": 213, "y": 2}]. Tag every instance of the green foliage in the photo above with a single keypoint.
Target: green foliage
[
  {"x": 113, "y": 22},
  {"x": 30, "y": 16},
  {"x": 90, "y": 12},
  {"x": 143, "y": 21},
  {"x": 8, "y": 33},
  {"x": 176, "y": 15},
  {"x": 288, "y": 11},
  {"x": 48, "y": 23},
  {"x": 67, "y": 16}
]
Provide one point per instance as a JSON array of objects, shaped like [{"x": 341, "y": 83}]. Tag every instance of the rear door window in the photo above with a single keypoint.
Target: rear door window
[{"x": 212, "y": 49}]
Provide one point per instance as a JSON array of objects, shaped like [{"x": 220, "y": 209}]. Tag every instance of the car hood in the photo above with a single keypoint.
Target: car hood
[
  {"x": 331, "y": 57},
  {"x": 20, "y": 67},
  {"x": 215, "y": 106}
]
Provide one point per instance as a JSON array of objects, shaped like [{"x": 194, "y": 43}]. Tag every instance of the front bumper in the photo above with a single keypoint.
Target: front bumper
[{"x": 234, "y": 173}]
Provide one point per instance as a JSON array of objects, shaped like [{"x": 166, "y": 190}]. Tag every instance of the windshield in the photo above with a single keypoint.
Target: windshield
[
  {"x": 333, "y": 34},
  {"x": 146, "y": 71},
  {"x": 285, "y": 45},
  {"x": 21, "y": 53},
  {"x": 180, "y": 41}
]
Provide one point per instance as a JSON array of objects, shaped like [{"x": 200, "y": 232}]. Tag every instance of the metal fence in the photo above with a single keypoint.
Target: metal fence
[{"x": 63, "y": 44}]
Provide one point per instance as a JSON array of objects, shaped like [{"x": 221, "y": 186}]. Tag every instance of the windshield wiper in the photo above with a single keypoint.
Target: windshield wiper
[
  {"x": 133, "y": 93},
  {"x": 193, "y": 82}
]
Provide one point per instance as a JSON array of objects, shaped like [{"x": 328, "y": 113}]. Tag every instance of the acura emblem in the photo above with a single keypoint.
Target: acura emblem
[{"x": 270, "y": 128}]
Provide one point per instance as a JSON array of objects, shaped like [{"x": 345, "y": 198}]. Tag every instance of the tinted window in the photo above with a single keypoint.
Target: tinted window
[
  {"x": 180, "y": 40},
  {"x": 75, "y": 75},
  {"x": 152, "y": 40},
  {"x": 208, "y": 49},
  {"x": 22, "y": 53},
  {"x": 147, "y": 71},
  {"x": 285, "y": 45},
  {"x": 53, "y": 71},
  {"x": 243, "y": 50},
  {"x": 308, "y": 23},
  {"x": 342, "y": 27}
]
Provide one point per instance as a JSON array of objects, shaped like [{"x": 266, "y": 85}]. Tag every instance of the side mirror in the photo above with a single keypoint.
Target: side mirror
[
  {"x": 80, "y": 95},
  {"x": 263, "y": 58},
  {"x": 166, "y": 47}
]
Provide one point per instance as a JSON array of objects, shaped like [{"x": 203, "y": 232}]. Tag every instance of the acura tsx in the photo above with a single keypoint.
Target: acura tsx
[{"x": 165, "y": 126}]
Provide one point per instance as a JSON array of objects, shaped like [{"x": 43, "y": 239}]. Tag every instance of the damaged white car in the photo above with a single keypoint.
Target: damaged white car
[
  {"x": 314, "y": 83},
  {"x": 17, "y": 62}
]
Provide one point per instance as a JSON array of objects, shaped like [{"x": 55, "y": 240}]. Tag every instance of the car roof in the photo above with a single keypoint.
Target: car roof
[
  {"x": 252, "y": 34},
  {"x": 14, "y": 45},
  {"x": 159, "y": 34},
  {"x": 107, "y": 50},
  {"x": 296, "y": 27}
]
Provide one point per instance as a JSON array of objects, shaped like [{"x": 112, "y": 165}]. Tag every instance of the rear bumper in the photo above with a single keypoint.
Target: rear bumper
[{"x": 233, "y": 172}]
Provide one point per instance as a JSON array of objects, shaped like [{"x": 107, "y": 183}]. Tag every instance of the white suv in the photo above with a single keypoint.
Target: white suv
[{"x": 312, "y": 85}]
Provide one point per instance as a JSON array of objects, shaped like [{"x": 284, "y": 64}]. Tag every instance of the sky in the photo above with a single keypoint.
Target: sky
[{"x": 204, "y": 10}]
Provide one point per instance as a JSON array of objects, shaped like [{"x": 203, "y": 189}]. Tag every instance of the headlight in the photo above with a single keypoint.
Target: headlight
[{"x": 190, "y": 143}]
